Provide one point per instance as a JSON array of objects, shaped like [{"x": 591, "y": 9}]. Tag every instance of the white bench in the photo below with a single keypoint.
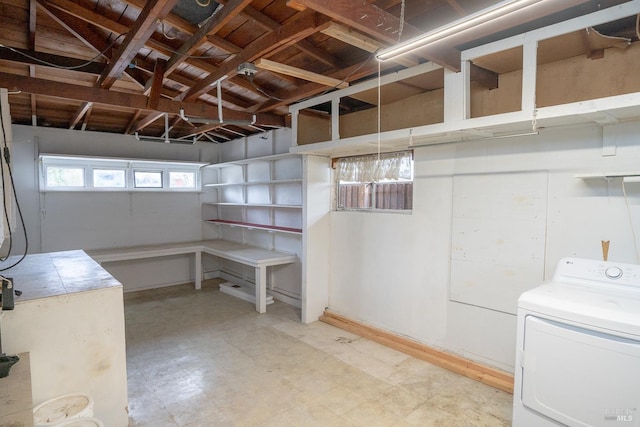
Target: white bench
[{"x": 252, "y": 256}]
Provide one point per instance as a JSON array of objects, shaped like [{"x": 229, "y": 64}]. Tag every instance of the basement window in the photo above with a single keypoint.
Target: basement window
[
  {"x": 64, "y": 177},
  {"x": 147, "y": 179},
  {"x": 109, "y": 178},
  {"x": 182, "y": 179},
  {"x": 77, "y": 173},
  {"x": 375, "y": 182}
]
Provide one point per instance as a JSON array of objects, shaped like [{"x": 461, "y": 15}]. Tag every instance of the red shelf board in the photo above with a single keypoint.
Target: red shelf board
[{"x": 263, "y": 226}]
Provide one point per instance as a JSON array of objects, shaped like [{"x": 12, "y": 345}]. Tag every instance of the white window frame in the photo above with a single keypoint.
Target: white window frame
[
  {"x": 372, "y": 183},
  {"x": 89, "y": 164}
]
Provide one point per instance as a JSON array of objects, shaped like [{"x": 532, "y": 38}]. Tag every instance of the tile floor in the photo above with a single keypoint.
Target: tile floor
[{"x": 208, "y": 359}]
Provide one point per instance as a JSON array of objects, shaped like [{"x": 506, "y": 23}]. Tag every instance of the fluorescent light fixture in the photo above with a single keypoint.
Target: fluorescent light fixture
[{"x": 482, "y": 17}]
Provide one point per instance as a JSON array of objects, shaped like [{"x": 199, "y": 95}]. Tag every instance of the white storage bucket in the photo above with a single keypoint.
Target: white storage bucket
[
  {"x": 81, "y": 422},
  {"x": 63, "y": 408}
]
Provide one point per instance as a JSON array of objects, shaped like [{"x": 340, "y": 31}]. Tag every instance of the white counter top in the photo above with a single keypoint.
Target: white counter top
[{"x": 57, "y": 273}]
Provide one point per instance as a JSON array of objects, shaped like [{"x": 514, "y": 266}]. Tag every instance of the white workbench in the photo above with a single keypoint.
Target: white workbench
[{"x": 253, "y": 256}]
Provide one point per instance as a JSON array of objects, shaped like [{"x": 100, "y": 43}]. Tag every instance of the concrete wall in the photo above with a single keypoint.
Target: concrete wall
[
  {"x": 93, "y": 220},
  {"x": 394, "y": 271}
]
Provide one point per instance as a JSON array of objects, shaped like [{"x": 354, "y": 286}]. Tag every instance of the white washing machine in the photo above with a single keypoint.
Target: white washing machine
[{"x": 578, "y": 348}]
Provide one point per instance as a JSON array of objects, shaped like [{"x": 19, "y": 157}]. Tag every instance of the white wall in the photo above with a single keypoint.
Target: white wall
[
  {"x": 393, "y": 270},
  {"x": 93, "y": 220}
]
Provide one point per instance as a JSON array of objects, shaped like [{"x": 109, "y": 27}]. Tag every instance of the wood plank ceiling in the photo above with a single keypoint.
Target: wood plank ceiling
[{"x": 130, "y": 66}]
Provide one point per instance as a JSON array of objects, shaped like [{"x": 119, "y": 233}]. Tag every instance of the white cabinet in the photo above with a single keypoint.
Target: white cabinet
[{"x": 256, "y": 201}]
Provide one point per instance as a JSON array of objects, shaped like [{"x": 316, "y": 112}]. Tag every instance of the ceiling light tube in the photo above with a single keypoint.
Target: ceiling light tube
[{"x": 501, "y": 9}]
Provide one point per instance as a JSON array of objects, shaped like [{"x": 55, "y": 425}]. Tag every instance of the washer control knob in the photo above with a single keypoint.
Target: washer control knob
[{"x": 613, "y": 272}]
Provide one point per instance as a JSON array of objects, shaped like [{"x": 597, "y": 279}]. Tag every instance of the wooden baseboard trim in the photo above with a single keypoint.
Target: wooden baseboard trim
[{"x": 485, "y": 374}]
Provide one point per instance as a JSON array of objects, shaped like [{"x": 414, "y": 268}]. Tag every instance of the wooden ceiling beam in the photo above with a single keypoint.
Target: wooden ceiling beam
[
  {"x": 132, "y": 122},
  {"x": 190, "y": 29},
  {"x": 260, "y": 19},
  {"x": 302, "y": 26},
  {"x": 379, "y": 24},
  {"x": 156, "y": 84},
  {"x": 33, "y": 7},
  {"x": 276, "y": 67},
  {"x": 81, "y": 15},
  {"x": 135, "y": 39},
  {"x": 200, "y": 130},
  {"x": 213, "y": 25},
  {"x": 293, "y": 4},
  {"x": 147, "y": 120},
  {"x": 79, "y": 29},
  {"x": 76, "y": 27},
  {"x": 361, "y": 41},
  {"x": 79, "y": 114},
  {"x": 30, "y": 57},
  {"x": 57, "y": 89},
  {"x": 363, "y": 16},
  {"x": 171, "y": 18},
  {"x": 84, "y": 14},
  {"x": 223, "y": 44},
  {"x": 355, "y": 72},
  {"x": 317, "y": 53}
]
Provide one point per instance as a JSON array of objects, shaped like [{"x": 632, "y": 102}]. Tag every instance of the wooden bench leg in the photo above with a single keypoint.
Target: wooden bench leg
[
  {"x": 198, "y": 270},
  {"x": 261, "y": 289}
]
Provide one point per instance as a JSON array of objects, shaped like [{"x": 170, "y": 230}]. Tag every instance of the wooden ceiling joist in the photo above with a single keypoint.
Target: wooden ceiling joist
[
  {"x": 135, "y": 39},
  {"x": 213, "y": 25},
  {"x": 319, "y": 54},
  {"x": 125, "y": 100},
  {"x": 361, "y": 41},
  {"x": 364, "y": 16},
  {"x": 276, "y": 67},
  {"x": 299, "y": 28},
  {"x": 156, "y": 84},
  {"x": 80, "y": 15},
  {"x": 31, "y": 57}
]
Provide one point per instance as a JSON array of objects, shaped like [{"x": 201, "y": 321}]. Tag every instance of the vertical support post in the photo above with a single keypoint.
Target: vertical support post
[
  {"x": 529, "y": 74},
  {"x": 219, "y": 93},
  {"x": 456, "y": 95},
  {"x": 198, "y": 269},
  {"x": 294, "y": 127},
  {"x": 261, "y": 289},
  {"x": 335, "y": 119},
  {"x": 466, "y": 89}
]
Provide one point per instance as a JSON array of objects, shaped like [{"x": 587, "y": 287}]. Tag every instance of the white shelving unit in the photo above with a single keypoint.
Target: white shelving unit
[
  {"x": 255, "y": 196},
  {"x": 256, "y": 199}
]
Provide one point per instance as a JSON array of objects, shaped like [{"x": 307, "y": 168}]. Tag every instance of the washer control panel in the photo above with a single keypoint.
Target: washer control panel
[
  {"x": 571, "y": 269},
  {"x": 613, "y": 272}
]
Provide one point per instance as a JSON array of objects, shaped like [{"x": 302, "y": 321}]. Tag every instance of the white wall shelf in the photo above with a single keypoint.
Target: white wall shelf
[
  {"x": 251, "y": 226},
  {"x": 241, "y": 162},
  {"x": 274, "y": 182},
  {"x": 606, "y": 175},
  {"x": 255, "y": 205}
]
